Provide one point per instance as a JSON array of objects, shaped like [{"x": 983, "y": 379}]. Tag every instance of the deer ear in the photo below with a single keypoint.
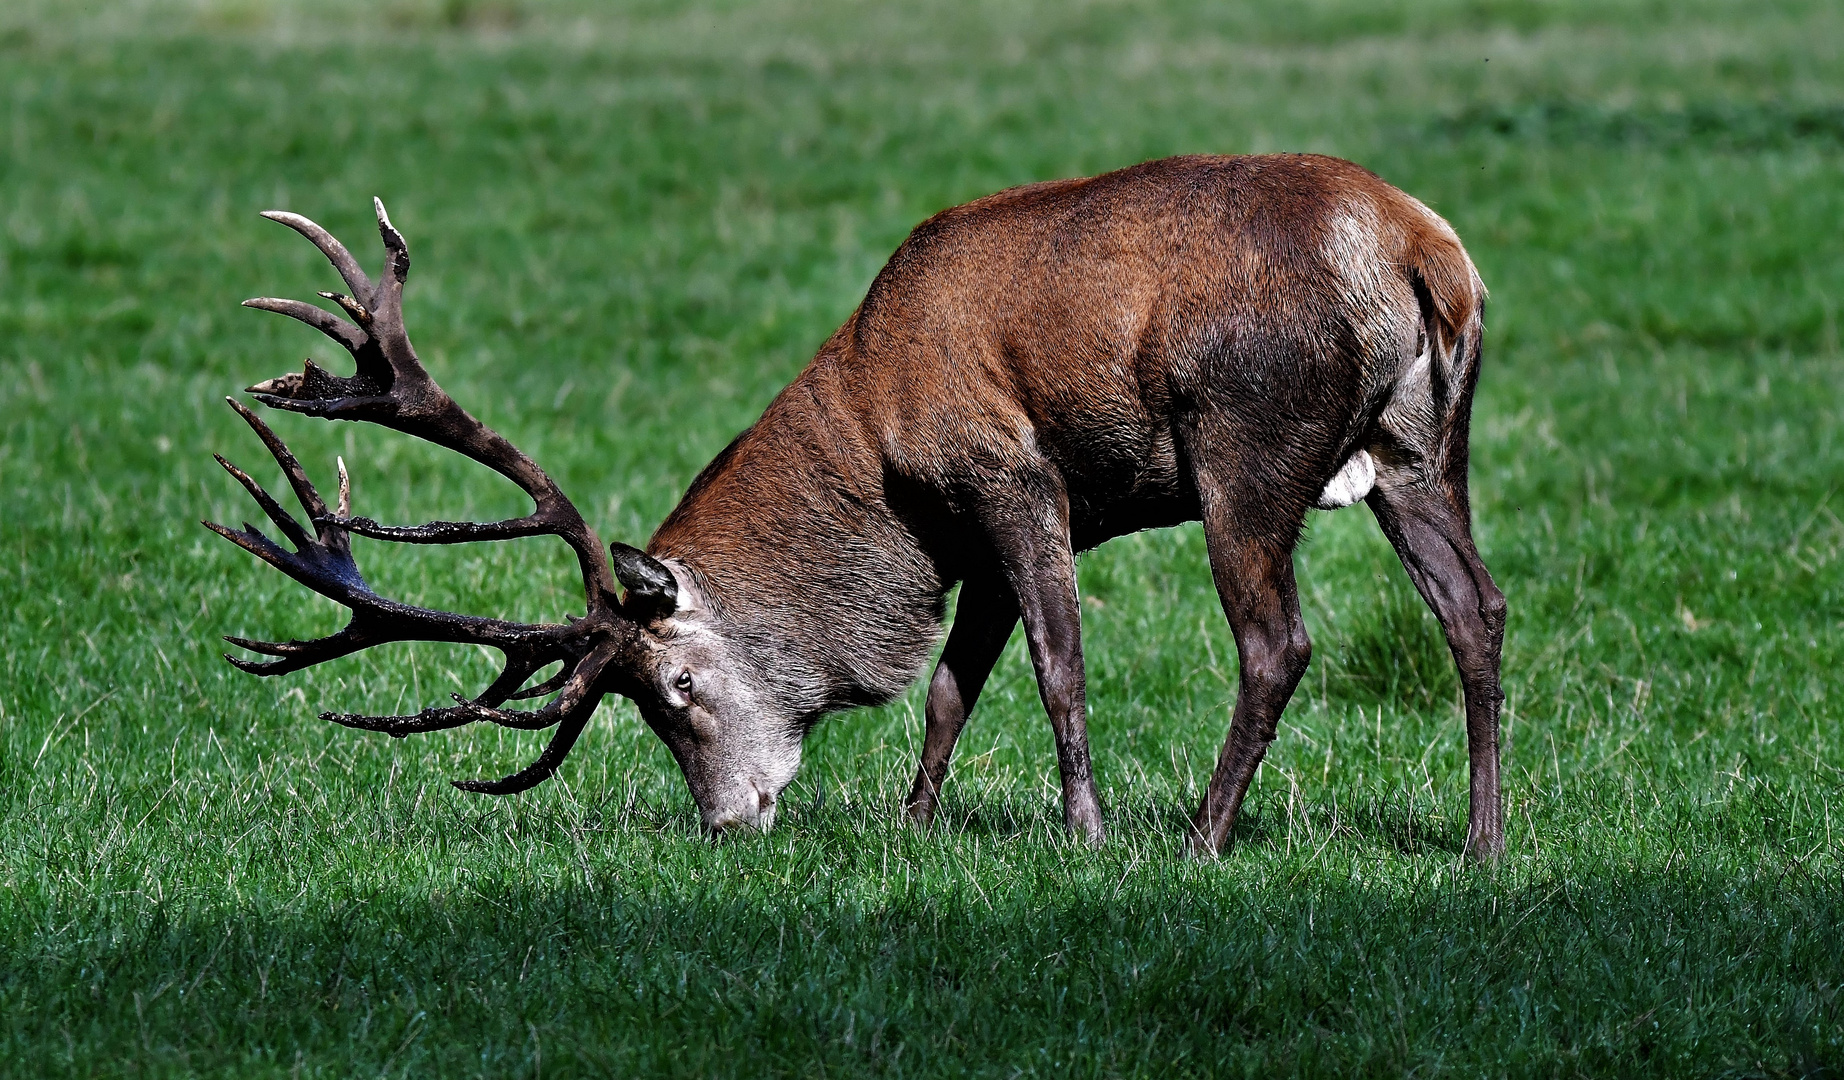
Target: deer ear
[{"x": 650, "y": 586}]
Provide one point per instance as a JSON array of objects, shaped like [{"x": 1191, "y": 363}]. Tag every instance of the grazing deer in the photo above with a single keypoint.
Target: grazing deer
[{"x": 1231, "y": 339}]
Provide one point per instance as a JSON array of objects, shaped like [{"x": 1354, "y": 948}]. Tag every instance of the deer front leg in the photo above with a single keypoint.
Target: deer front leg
[
  {"x": 983, "y": 621},
  {"x": 1032, "y": 539}
]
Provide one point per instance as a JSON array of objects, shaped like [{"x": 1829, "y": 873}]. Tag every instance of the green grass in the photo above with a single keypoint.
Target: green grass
[{"x": 631, "y": 227}]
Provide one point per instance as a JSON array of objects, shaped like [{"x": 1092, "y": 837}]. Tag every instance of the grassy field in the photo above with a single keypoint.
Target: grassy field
[{"x": 632, "y": 226}]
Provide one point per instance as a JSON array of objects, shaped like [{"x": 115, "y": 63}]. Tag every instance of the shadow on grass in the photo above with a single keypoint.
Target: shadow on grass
[
  {"x": 1386, "y": 815},
  {"x": 1392, "y": 821},
  {"x": 1164, "y": 968},
  {"x": 1395, "y": 821}
]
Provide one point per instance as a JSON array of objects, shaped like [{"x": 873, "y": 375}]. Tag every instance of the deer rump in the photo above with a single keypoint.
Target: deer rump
[{"x": 1231, "y": 339}]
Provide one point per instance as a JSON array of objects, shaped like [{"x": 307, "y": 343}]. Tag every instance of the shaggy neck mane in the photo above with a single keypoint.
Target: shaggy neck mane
[{"x": 790, "y": 534}]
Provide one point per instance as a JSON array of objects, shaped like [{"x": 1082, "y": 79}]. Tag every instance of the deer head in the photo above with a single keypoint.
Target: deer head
[
  {"x": 704, "y": 694},
  {"x": 663, "y": 644}
]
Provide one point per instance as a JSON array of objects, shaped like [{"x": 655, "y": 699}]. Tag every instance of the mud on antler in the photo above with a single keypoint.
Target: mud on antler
[{"x": 391, "y": 388}]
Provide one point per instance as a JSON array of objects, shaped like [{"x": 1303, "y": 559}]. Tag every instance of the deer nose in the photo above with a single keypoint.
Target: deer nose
[{"x": 754, "y": 813}]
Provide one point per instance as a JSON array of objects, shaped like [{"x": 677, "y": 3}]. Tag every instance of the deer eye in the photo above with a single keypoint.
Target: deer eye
[{"x": 684, "y": 681}]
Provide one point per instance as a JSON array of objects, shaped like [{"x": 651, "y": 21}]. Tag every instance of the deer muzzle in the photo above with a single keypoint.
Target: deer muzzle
[{"x": 751, "y": 808}]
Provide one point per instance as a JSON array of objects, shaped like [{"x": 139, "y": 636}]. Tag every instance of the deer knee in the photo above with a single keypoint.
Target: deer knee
[
  {"x": 1279, "y": 664},
  {"x": 1477, "y": 651},
  {"x": 945, "y": 705},
  {"x": 1297, "y": 653},
  {"x": 1492, "y": 611}
]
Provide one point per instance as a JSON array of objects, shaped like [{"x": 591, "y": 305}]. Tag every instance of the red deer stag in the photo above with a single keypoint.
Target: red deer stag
[{"x": 1231, "y": 339}]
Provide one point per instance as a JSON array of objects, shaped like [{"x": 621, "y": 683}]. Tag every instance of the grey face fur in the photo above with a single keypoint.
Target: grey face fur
[{"x": 737, "y": 748}]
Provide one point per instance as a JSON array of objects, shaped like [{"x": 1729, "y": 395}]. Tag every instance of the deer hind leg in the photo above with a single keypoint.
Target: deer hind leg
[
  {"x": 983, "y": 621},
  {"x": 1431, "y": 531},
  {"x": 1251, "y": 520},
  {"x": 1254, "y": 579}
]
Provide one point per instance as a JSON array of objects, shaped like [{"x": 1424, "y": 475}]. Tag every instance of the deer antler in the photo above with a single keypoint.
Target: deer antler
[{"x": 391, "y": 388}]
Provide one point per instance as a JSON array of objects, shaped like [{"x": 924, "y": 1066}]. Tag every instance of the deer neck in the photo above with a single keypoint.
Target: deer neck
[{"x": 792, "y": 534}]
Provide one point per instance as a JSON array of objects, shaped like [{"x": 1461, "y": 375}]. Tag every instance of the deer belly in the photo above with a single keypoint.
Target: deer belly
[{"x": 1125, "y": 485}]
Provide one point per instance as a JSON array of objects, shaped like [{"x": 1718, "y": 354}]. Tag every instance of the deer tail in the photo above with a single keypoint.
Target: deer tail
[{"x": 1452, "y": 299}]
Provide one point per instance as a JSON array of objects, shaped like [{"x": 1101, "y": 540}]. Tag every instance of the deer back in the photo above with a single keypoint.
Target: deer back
[{"x": 1077, "y": 327}]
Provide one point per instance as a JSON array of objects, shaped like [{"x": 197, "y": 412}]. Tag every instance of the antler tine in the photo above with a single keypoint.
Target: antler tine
[
  {"x": 548, "y": 686},
  {"x": 540, "y": 770},
  {"x": 443, "y": 718},
  {"x": 251, "y": 539},
  {"x": 329, "y": 245},
  {"x": 272, "y": 648},
  {"x": 282, "y": 518},
  {"x": 521, "y": 665},
  {"x": 387, "y": 300},
  {"x": 353, "y": 308},
  {"x": 298, "y": 655},
  {"x": 465, "y": 711},
  {"x": 399, "y": 264},
  {"x": 573, "y": 708},
  {"x": 304, "y": 490},
  {"x": 431, "y": 719},
  {"x": 449, "y": 532},
  {"x": 320, "y": 319},
  {"x": 513, "y": 676}
]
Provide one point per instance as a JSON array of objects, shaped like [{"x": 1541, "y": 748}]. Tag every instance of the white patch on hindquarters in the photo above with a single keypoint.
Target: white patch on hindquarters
[{"x": 1352, "y": 483}]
